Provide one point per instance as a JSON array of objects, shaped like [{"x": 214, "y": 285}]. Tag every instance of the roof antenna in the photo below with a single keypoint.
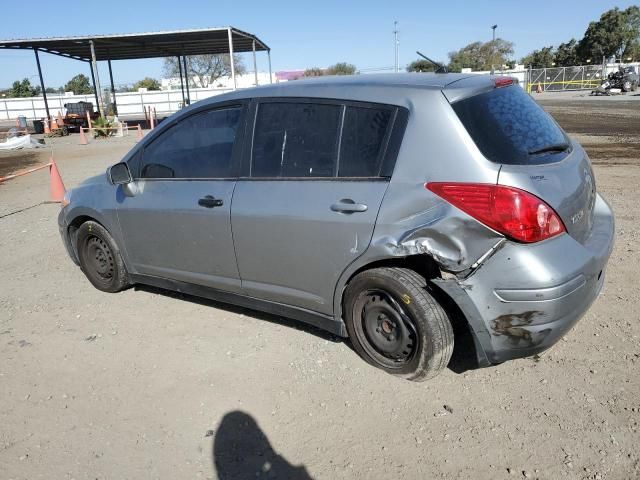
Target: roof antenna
[{"x": 440, "y": 69}]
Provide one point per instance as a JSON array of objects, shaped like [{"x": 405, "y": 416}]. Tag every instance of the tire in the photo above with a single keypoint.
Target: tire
[
  {"x": 396, "y": 325},
  {"x": 100, "y": 258}
]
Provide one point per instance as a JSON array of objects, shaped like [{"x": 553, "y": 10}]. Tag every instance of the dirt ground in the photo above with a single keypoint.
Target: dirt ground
[{"x": 150, "y": 384}]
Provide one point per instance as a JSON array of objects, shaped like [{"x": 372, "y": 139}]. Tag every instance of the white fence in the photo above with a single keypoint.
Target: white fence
[{"x": 129, "y": 104}]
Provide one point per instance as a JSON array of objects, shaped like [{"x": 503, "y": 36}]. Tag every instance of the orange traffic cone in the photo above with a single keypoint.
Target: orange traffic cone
[
  {"x": 139, "y": 137},
  {"x": 56, "y": 186},
  {"x": 54, "y": 124},
  {"x": 83, "y": 137},
  {"x": 89, "y": 125},
  {"x": 539, "y": 89},
  {"x": 46, "y": 126},
  {"x": 60, "y": 119}
]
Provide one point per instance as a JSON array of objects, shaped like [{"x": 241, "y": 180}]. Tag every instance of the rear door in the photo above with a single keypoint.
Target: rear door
[
  {"x": 307, "y": 207},
  {"x": 536, "y": 155},
  {"x": 176, "y": 219}
]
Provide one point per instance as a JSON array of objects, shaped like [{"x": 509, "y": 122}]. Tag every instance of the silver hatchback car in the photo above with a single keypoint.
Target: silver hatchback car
[{"x": 378, "y": 207}]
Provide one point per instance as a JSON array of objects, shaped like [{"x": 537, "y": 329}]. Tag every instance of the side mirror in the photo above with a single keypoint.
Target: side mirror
[{"x": 119, "y": 174}]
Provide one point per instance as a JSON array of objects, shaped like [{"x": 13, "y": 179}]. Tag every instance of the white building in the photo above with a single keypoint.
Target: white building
[{"x": 242, "y": 81}]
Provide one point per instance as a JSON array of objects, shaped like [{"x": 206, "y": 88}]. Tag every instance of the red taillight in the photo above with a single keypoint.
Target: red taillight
[
  {"x": 510, "y": 211},
  {"x": 503, "y": 82}
]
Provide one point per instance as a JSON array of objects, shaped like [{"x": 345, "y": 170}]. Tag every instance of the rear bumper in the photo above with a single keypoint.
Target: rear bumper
[{"x": 525, "y": 298}]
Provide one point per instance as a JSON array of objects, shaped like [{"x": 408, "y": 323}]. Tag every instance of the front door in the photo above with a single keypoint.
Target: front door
[{"x": 175, "y": 218}]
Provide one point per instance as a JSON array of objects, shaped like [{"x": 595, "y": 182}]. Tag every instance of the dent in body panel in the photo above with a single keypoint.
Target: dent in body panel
[{"x": 455, "y": 241}]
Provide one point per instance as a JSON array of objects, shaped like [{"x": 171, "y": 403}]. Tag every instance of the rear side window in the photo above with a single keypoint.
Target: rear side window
[
  {"x": 296, "y": 140},
  {"x": 200, "y": 146},
  {"x": 320, "y": 140},
  {"x": 363, "y": 140},
  {"x": 511, "y": 128}
]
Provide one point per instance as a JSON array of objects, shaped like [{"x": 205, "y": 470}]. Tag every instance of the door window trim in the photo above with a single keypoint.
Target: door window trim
[
  {"x": 236, "y": 154},
  {"x": 389, "y": 150}
]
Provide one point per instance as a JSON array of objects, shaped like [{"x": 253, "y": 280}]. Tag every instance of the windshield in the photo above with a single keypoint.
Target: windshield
[{"x": 509, "y": 127}]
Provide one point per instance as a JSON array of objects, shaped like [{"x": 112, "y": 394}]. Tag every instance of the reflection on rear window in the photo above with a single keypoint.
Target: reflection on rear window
[{"x": 506, "y": 125}]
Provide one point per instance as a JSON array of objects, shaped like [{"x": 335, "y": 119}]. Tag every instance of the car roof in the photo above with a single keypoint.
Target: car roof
[{"x": 391, "y": 88}]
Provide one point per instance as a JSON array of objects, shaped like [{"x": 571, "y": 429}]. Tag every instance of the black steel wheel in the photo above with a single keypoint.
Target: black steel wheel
[
  {"x": 384, "y": 329},
  {"x": 100, "y": 258},
  {"x": 396, "y": 325}
]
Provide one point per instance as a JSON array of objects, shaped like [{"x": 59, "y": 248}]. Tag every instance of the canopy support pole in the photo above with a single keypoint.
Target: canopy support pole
[
  {"x": 181, "y": 80},
  {"x": 44, "y": 93},
  {"x": 186, "y": 77},
  {"x": 269, "y": 57},
  {"x": 233, "y": 68},
  {"x": 96, "y": 78},
  {"x": 113, "y": 90},
  {"x": 255, "y": 65},
  {"x": 95, "y": 90}
]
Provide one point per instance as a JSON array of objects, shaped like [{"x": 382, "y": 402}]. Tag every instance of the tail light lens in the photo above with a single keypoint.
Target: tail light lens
[{"x": 513, "y": 212}]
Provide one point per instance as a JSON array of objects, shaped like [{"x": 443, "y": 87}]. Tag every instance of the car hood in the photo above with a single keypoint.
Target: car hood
[{"x": 95, "y": 180}]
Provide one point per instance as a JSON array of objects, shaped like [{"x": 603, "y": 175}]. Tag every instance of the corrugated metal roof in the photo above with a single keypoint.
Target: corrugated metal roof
[{"x": 131, "y": 46}]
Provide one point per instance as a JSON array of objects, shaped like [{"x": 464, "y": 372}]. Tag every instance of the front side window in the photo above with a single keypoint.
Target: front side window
[
  {"x": 296, "y": 140},
  {"x": 200, "y": 146}
]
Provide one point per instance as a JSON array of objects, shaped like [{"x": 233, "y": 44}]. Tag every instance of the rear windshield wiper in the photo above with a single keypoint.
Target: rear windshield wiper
[{"x": 556, "y": 147}]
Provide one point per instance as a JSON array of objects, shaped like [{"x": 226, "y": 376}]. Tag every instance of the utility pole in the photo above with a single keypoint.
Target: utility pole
[
  {"x": 493, "y": 48},
  {"x": 397, "y": 43}
]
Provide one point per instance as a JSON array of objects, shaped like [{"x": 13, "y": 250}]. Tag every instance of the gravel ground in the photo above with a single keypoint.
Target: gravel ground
[{"x": 150, "y": 384}]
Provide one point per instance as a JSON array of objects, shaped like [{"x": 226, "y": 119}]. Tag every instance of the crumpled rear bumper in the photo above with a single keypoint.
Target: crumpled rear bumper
[{"x": 524, "y": 298}]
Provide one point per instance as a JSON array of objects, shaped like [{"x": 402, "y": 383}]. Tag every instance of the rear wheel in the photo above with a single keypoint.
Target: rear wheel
[
  {"x": 100, "y": 258},
  {"x": 396, "y": 325}
]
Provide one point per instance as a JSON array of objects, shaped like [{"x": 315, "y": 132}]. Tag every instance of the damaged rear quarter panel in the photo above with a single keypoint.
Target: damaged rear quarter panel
[{"x": 429, "y": 225}]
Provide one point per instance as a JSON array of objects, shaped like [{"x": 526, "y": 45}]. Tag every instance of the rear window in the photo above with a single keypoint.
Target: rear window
[{"x": 509, "y": 127}]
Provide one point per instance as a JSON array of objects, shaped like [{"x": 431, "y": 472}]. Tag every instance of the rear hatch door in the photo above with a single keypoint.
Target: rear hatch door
[{"x": 535, "y": 154}]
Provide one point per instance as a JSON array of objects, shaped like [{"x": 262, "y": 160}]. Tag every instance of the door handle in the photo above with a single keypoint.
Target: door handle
[
  {"x": 346, "y": 205},
  {"x": 209, "y": 202}
]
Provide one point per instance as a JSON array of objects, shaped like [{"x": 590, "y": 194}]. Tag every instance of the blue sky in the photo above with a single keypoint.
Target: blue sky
[{"x": 301, "y": 34}]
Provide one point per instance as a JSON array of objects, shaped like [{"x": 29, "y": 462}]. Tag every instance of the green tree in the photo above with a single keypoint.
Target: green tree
[
  {"x": 341, "y": 68},
  {"x": 545, "y": 57},
  {"x": 148, "y": 83},
  {"x": 616, "y": 33},
  {"x": 23, "y": 89},
  {"x": 204, "y": 70},
  {"x": 79, "y": 85},
  {"x": 566, "y": 54},
  {"x": 313, "y": 72},
  {"x": 481, "y": 56},
  {"x": 421, "y": 65}
]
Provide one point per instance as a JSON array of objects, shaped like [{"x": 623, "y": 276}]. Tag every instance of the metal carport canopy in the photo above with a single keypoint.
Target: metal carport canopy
[
  {"x": 131, "y": 46},
  {"x": 144, "y": 45}
]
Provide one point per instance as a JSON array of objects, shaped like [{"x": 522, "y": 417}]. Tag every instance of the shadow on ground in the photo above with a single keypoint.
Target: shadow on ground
[
  {"x": 464, "y": 355},
  {"x": 241, "y": 450}
]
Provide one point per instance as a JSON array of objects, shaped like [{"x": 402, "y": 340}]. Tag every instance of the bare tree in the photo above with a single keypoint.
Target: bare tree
[{"x": 204, "y": 70}]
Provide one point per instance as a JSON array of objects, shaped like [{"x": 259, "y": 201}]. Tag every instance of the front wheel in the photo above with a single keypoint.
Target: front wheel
[
  {"x": 396, "y": 325},
  {"x": 100, "y": 258}
]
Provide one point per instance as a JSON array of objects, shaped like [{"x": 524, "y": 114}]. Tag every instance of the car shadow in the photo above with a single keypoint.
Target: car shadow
[
  {"x": 287, "y": 322},
  {"x": 464, "y": 354},
  {"x": 241, "y": 450}
]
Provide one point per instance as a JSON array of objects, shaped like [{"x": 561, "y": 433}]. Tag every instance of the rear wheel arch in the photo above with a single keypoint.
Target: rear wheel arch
[{"x": 465, "y": 350}]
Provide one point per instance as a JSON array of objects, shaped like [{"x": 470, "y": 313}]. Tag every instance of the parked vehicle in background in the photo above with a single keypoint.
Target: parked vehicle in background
[
  {"x": 76, "y": 115},
  {"x": 376, "y": 207},
  {"x": 625, "y": 79}
]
